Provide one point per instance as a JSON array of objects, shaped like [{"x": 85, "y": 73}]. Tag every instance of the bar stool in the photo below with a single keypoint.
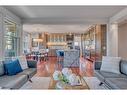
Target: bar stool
[{"x": 58, "y": 55}]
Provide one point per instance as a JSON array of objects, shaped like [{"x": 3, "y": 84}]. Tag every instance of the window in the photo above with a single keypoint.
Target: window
[
  {"x": 26, "y": 42},
  {"x": 11, "y": 39}
]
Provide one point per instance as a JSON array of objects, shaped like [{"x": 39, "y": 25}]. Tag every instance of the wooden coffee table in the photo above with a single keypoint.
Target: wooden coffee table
[{"x": 52, "y": 85}]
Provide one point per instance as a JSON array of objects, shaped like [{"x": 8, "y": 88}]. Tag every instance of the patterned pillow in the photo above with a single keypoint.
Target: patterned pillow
[
  {"x": 23, "y": 62},
  {"x": 2, "y": 71}
]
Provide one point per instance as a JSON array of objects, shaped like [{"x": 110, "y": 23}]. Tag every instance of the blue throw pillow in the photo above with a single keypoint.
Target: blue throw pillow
[
  {"x": 6, "y": 62},
  {"x": 13, "y": 67},
  {"x": 18, "y": 68}
]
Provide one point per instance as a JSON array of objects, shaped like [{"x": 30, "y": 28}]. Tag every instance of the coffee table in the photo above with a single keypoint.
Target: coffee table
[{"x": 52, "y": 85}]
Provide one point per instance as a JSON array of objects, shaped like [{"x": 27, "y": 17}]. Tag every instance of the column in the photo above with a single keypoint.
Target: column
[{"x": 112, "y": 39}]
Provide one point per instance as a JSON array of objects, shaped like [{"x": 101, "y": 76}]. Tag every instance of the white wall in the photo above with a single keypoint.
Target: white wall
[
  {"x": 112, "y": 40},
  {"x": 122, "y": 41},
  {"x": 112, "y": 33},
  {"x": 1, "y": 35},
  {"x": 4, "y": 13}
]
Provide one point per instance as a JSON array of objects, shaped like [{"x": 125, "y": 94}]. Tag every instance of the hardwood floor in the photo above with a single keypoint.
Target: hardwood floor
[{"x": 46, "y": 68}]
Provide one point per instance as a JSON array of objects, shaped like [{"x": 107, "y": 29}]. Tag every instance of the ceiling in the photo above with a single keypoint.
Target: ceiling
[
  {"x": 64, "y": 14},
  {"x": 39, "y": 28},
  {"x": 61, "y": 18}
]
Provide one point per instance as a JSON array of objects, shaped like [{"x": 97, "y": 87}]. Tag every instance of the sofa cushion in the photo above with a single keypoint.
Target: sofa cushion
[
  {"x": 97, "y": 65},
  {"x": 13, "y": 67},
  {"x": 102, "y": 75},
  {"x": 12, "y": 82},
  {"x": 117, "y": 83},
  {"x": 22, "y": 61},
  {"x": 111, "y": 64},
  {"x": 1, "y": 68},
  {"x": 123, "y": 67},
  {"x": 32, "y": 63},
  {"x": 29, "y": 72}
]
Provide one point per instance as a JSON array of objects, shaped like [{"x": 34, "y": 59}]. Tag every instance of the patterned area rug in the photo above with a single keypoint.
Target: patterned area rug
[
  {"x": 43, "y": 83},
  {"x": 38, "y": 83},
  {"x": 93, "y": 83}
]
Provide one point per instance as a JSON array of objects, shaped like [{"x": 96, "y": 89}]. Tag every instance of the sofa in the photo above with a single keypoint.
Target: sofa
[
  {"x": 18, "y": 80},
  {"x": 112, "y": 80}
]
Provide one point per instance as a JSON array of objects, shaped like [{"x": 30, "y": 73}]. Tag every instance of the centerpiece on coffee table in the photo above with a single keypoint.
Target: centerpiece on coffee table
[{"x": 66, "y": 79}]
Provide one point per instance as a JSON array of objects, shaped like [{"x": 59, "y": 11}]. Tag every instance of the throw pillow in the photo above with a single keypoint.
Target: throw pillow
[
  {"x": 13, "y": 67},
  {"x": 110, "y": 64},
  {"x": 6, "y": 62},
  {"x": 18, "y": 68},
  {"x": 1, "y": 68},
  {"x": 23, "y": 62}
]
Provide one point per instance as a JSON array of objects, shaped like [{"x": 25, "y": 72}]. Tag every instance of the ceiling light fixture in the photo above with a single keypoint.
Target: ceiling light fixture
[
  {"x": 37, "y": 40},
  {"x": 70, "y": 33}
]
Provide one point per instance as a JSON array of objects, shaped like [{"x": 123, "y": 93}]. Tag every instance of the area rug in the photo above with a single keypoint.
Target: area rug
[
  {"x": 37, "y": 83},
  {"x": 93, "y": 83}
]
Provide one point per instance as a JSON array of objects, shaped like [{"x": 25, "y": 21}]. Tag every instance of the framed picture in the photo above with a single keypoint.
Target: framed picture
[{"x": 34, "y": 43}]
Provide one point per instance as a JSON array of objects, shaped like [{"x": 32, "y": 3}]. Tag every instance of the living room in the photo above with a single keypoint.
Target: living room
[{"x": 62, "y": 47}]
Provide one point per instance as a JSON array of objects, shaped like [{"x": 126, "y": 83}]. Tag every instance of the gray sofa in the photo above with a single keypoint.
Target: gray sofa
[
  {"x": 17, "y": 81},
  {"x": 113, "y": 80}
]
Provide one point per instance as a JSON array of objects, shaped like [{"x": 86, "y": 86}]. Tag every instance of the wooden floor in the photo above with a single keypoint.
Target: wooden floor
[{"x": 46, "y": 68}]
